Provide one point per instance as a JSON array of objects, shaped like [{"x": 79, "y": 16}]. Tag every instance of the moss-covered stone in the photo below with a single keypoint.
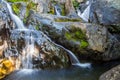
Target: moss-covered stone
[
  {"x": 51, "y": 10},
  {"x": 37, "y": 27},
  {"x": 63, "y": 10},
  {"x": 30, "y": 6},
  {"x": 17, "y": 0},
  {"x": 77, "y": 35},
  {"x": 75, "y": 3},
  {"x": 62, "y": 6},
  {"x": 67, "y": 19},
  {"x": 16, "y": 8}
]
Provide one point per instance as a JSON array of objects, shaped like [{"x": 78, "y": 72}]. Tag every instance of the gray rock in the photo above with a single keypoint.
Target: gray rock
[
  {"x": 47, "y": 55},
  {"x": 112, "y": 74},
  {"x": 42, "y": 5},
  {"x": 84, "y": 39},
  {"x": 106, "y": 12}
]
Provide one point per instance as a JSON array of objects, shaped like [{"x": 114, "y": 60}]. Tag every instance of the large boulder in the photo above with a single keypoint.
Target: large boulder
[
  {"x": 112, "y": 74},
  {"x": 106, "y": 12},
  {"x": 36, "y": 48},
  {"x": 84, "y": 39}
]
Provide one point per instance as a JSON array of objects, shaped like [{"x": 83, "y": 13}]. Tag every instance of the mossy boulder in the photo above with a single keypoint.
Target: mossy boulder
[
  {"x": 66, "y": 19},
  {"x": 17, "y": 1},
  {"x": 22, "y": 8},
  {"x": 77, "y": 35}
]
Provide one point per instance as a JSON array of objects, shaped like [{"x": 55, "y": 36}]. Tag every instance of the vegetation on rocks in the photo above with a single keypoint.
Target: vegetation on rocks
[
  {"x": 16, "y": 8},
  {"x": 75, "y": 3},
  {"x": 68, "y": 19},
  {"x": 77, "y": 35},
  {"x": 17, "y": 0}
]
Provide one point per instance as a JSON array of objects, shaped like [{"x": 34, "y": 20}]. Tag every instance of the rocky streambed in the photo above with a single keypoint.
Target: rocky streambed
[{"x": 48, "y": 31}]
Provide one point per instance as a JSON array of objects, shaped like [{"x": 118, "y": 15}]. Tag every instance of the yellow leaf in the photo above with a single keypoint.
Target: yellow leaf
[{"x": 6, "y": 67}]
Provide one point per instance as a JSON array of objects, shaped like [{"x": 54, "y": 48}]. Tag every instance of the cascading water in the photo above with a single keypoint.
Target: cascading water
[
  {"x": 86, "y": 12},
  {"x": 74, "y": 59},
  {"x": 28, "y": 50},
  {"x": 15, "y": 18},
  {"x": 57, "y": 10}
]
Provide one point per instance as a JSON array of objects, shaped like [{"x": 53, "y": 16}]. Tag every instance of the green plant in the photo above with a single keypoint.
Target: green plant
[
  {"x": 17, "y": 0},
  {"x": 75, "y": 3},
  {"x": 16, "y": 8},
  {"x": 77, "y": 35}
]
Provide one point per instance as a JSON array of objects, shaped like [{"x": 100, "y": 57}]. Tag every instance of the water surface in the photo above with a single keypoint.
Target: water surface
[{"x": 72, "y": 73}]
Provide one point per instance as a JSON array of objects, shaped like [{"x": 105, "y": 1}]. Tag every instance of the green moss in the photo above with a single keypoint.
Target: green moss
[
  {"x": 17, "y": 0},
  {"x": 16, "y": 8},
  {"x": 63, "y": 9},
  {"x": 37, "y": 27},
  {"x": 75, "y": 3},
  {"x": 30, "y": 6},
  {"x": 51, "y": 10},
  {"x": 77, "y": 35},
  {"x": 67, "y": 19},
  {"x": 83, "y": 44},
  {"x": 52, "y": 7}
]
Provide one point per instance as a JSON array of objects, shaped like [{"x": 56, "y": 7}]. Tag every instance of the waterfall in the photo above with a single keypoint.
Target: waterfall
[
  {"x": 28, "y": 53},
  {"x": 29, "y": 50},
  {"x": 57, "y": 10},
  {"x": 74, "y": 59},
  {"x": 15, "y": 18},
  {"x": 85, "y": 14}
]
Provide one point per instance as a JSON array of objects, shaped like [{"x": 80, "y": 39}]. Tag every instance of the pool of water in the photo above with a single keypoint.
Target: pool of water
[{"x": 72, "y": 73}]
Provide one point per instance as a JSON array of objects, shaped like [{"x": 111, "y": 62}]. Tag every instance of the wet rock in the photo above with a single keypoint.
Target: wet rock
[
  {"x": 112, "y": 74},
  {"x": 42, "y": 5},
  {"x": 84, "y": 39},
  {"x": 106, "y": 12},
  {"x": 45, "y": 54},
  {"x": 69, "y": 8}
]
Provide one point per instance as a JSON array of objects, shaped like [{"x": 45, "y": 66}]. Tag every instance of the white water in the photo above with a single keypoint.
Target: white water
[
  {"x": 15, "y": 18},
  {"x": 85, "y": 14},
  {"x": 57, "y": 11},
  {"x": 29, "y": 50},
  {"x": 27, "y": 54},
  {"x": 74, "y": 59}
]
